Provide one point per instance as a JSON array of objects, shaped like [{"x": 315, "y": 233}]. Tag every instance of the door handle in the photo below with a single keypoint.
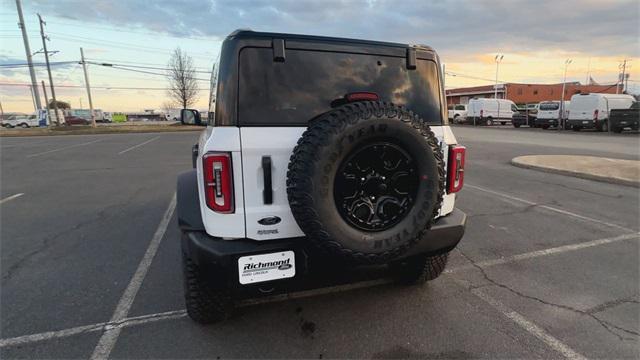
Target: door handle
[{"x": 267, "y": 192}]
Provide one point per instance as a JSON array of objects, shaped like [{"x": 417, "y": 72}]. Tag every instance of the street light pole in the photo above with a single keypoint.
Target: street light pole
[
  {"x": 86, "y": 81},
  {"x": 564, "y": 84},
  {"x": 498, "y": 60},
  {"x": 46, "y": 58}
]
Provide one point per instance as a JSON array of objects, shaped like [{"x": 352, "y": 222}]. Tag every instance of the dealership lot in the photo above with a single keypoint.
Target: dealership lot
[{"x": 548, "y": 266}]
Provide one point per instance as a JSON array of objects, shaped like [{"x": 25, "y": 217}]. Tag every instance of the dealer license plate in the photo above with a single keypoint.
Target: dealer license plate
[{"x": 266, "y": 267}]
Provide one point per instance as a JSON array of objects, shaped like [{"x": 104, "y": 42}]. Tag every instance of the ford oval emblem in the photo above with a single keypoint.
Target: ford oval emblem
[{"x": 269, "y": 220}]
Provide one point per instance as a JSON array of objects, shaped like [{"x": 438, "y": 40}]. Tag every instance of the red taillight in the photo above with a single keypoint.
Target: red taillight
[
  {"x": 455, "y": 177},
  {"x": 362, "y": 96},
  {"x": 595, "y": 114},
  {"x": 218, "y": 183}
]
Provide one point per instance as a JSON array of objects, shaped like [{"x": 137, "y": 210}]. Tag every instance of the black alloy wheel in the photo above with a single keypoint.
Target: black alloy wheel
[{"x": 376, "y": 186}]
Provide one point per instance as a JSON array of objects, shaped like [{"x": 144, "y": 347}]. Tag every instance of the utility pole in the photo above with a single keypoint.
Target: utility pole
[
  {"x": 622, "y": 66},
  {"x": 498, "y": 60},
  {"x": 46, "y": 57},
  {"x": 33, "y": 98},
  {"x": 27, "y": 49},
  {"x": 46, "y": 101},
  {"x": 564, "y": 84},
  {"x": 86, "y": 81}
]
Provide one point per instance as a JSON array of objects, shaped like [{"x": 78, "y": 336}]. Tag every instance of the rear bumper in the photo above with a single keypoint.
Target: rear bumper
[
  {"x": 208, "y": 251},
  {"x": 583, "y": 124},
  {"x": 543, "y": 122}
]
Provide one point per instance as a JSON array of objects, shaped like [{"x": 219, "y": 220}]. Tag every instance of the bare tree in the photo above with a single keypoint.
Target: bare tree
[{"x": 183, "y": 86}]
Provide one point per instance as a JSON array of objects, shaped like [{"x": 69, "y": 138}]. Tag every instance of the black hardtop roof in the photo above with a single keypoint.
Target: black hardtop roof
[{"x": 250, "y": 34}]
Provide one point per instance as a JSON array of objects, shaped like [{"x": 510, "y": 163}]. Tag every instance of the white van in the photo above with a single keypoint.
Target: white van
[
  {"x": 490, "y": 111},
  {"x": 549, "y": 113},
  {"x": 589, "y": 111}
]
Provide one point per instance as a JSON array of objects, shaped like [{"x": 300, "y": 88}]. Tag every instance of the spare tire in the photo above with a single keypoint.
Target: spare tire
[{"x": 365, "y": 181}]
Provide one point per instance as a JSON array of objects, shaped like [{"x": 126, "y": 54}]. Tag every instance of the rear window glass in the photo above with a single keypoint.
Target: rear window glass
[
  {"x": 293, "y": 92},
  {"x": 549, "y": 106}
]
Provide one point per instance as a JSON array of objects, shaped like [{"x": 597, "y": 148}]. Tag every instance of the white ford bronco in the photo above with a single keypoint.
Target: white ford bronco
[{"x": 320, "y": 148}]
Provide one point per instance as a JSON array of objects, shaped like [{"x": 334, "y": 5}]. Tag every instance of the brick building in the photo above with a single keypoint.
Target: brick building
[{"x": 526, "y": 93}]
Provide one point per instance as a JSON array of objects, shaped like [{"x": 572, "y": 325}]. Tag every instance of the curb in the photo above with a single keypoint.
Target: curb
[{"x": 577, "y": 174}]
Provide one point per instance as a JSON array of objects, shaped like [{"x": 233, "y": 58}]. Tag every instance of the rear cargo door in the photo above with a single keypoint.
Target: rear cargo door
[
  {"x": 265, "y": 157},
  {"x": 281, "y": 89}
]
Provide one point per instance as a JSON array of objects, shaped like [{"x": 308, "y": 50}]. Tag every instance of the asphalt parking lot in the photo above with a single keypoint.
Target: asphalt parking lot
[{"x": 548, "y": 267}]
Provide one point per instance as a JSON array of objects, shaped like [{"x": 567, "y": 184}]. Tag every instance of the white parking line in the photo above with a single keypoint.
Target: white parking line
[
  {"x": 137, "y": 146},
  {"x": 8, "y": 198},
  {"x": 551, "y": 208},
  {"x": 150, "y": 318},
  {"x": 137, "y": 320},
  {"x": 62, "y": 148},
  {"x": 529, "y": 327},
  {"x": 110, "y": 336},
  {"x": 550, "y": 251}
]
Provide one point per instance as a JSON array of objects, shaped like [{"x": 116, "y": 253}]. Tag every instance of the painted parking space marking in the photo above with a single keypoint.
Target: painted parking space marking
[
  {"x": 545, "y": 252},
  {"x": 63, "y": 148},
  {"x": 529, "y": 326},
  {"x": 110, "y": 335},
  {"x": 9, "y": 198},
  {"x": 137, "y": 146},
  {"x": 177, "y": 314},
  {"x": 550, "y": 208}
]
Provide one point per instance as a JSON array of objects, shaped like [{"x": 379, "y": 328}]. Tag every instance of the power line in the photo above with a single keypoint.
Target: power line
[
  {"x": 126, "y": 62},
  {"x": 97, "y": 87},
  {"x": 113, "y": 66},
  {"x": 145, "y": 67}
]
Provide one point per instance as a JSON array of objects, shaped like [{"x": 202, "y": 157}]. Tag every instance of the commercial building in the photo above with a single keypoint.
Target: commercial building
[{"x": 526, "y": 93}]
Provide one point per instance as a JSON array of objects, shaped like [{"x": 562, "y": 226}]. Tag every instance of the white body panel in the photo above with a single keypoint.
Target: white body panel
[
  {"x": 498, "y": 109},
  {"x": 459, "y": 110},
  {"x": 583, "y": 106},
  {"x": 222, "y": 139},
  {"x": 248, "y": 145},
  {"x": 553, "y": 114}
]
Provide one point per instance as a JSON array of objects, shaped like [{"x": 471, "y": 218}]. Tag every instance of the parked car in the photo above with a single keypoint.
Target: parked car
[
  {"x": 490, "y": 111},
  {"x": 591, "y": 110},
  {"x": 625, "y": 118},
  {"x": 549, "y": 114},
  {"x": 458, "y": 113},
  {"x": 75, "y": 120},
  {"x": 325, "y": 175},
  {"x": 521, "y": 118},
  {"x": 21, "y": 120}
]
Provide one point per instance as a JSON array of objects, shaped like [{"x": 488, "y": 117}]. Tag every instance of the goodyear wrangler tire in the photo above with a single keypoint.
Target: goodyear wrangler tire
[{"x": 365, "y": 181}]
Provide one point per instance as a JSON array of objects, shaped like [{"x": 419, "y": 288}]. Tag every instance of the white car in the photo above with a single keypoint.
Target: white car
[
  {"x": 23, "y": 121},
  {"x": 458, "y": 114}
]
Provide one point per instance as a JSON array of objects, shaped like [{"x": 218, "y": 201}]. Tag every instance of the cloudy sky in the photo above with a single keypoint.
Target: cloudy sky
[{"x": 536, "y": 38}]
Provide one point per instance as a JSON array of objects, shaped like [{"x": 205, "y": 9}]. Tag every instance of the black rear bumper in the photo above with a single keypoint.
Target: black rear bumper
[{"x": 206, "y": 250}]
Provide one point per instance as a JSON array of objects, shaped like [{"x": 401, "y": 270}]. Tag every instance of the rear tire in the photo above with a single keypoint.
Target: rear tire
[
  {"x": 24, "y": 126},
  {"x": 488, "y": 122},
  {"x": 617, "y": 130},
  {"x": 206, "y": 303},
  {"x": 503, "y": 123},
  {"x": 354, "y": 207},
  {"x": 576, "y": 128},
  {"x": 419, "y": 269},
  {"x": 516, "y": 125},
  {"x": 545, "y": 127}
]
